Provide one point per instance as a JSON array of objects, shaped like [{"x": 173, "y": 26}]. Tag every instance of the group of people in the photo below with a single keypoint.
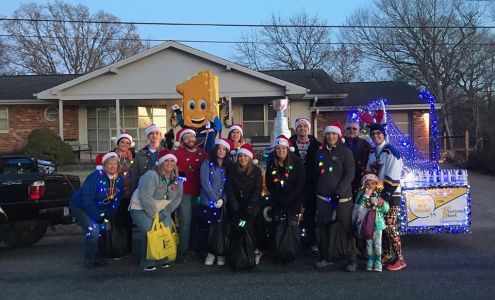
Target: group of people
[{"x": 320, "y": 185}]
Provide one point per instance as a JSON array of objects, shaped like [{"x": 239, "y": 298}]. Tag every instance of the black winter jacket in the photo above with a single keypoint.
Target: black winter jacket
[
  {"x": 362, "y": 151},
  {"x": 243, "y": 191},
  {"x": 335, "y": 171},
  {"x": 309, "y": 165},
  {"x": 289, "y": 196}
]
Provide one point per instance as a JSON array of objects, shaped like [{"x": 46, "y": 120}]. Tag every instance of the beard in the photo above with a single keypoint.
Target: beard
[{"x": 190, "y": 145}]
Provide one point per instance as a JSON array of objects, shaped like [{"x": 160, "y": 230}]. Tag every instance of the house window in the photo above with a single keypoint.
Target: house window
[
  {"x": 257, "y": 119},
  {"x": 102, "y": 127},
  {"x": 51, "y": 113},
  {"x": 401, "y": 120},
  {"x": 4, "y": 119}
]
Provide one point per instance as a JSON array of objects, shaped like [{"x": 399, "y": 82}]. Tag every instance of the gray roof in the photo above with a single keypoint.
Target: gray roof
[
  {"x": 358, "y": 93},
  {"x": 24, "y": 86},
  {"x": 317, "y": 81}
]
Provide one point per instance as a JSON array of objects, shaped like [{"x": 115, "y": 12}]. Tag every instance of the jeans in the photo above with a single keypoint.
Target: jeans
[
  {"x": 188, "y": 214},
  {"x": 91, "y": 243},
  {"x": 374, "y": 246},
  {"x": 144, "y": 222}
]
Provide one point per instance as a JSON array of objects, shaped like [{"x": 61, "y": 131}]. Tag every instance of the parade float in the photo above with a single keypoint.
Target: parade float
[{"x": 434, "y": 199}]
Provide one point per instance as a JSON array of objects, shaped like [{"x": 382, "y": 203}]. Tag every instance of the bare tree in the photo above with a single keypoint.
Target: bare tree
[
  {"x": 345, "y": 63},
  {"x": 72, "y": 44},
  {"x": 304, "y": 44},
  {"x": 421, "y": 39},
  {"x": 4, "y": 61}
]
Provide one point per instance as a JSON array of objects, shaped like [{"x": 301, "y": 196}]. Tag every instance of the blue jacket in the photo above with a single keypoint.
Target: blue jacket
[
  {"x": 90, "y": 197},
  {"x": 213, "y": 186}
]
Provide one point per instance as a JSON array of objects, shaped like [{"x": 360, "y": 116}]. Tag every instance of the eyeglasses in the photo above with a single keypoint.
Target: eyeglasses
[
  {"x": 376, "y": 133},
  {"x": 352, "y": 128}
]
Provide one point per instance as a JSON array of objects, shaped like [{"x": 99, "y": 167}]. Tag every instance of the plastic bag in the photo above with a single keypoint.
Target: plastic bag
[
  {"x": 241, "y": 255},
  {"x": 287, "y": 241}
]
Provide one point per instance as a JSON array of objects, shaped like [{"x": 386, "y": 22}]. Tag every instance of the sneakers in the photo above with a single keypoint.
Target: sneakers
[
  {"x": 323, "y": 263},
  {"x": 397, "y": 265},
  {"x": 258, "y": 255},
  {"x": 149, "y": 268},
  {"x": 165, "y": 265},
  {"x": 220, "y": 260},
  {"x": 377, "y": 266},
  {"x": 386, "y": 260},
  {"x": 351, "y": 267},
  {"x": 369, "y": 264},
  {"x": 210, "y": 259}
]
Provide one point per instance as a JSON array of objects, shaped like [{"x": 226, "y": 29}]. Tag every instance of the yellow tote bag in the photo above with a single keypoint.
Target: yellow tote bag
[{"x": 161, "y": 243}]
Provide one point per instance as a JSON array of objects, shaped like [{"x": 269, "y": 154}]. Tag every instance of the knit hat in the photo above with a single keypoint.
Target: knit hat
[
  {"x": 234, "y": 126},
  {"x": 152, "y": 128},
  {"x": 225, "y": 142},
  {"x": 300, "y": 121},
  {"x": 102, "y": 158},
  {"x": 180, "y": 134},
  {"x": 335, "y": 127},
  {"x": 369, "y": 176},
  {"x": 125, "y": 135},
  {"x": 163, "y": 155},
  {"x": 379, "y": 127},
  {"x": 284, "y": 141},
  {"x": 249, "y": 151}
]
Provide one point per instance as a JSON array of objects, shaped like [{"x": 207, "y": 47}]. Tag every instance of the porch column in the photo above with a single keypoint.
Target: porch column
[
  {"x": 117, "y": 115},
  {"x": 230, "y": 110},
  {"x": 61, "y": 119}
]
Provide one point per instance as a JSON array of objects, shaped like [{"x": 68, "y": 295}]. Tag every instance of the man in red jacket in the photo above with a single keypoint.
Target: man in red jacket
[{"x": 189, "y": 159}]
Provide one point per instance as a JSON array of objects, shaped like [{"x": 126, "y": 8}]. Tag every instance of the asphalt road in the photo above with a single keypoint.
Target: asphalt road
[{"x": 439, "y": 267}]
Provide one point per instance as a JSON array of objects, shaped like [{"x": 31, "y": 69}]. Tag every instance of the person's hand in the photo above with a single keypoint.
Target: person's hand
[
  {"x": 380, "y": 201},
  {"x": 367, "y": 193},
  {"x": 219, "y": 203},
  {"x": 176, "y": 109},
  {"x": 217, "y": 124}
]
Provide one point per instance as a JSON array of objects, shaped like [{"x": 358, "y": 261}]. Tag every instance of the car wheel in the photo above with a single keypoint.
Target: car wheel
[{"x": 23, "y": 234}]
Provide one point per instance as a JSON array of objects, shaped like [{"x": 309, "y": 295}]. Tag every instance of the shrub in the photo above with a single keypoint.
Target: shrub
[{"x": 43, "y": 143}]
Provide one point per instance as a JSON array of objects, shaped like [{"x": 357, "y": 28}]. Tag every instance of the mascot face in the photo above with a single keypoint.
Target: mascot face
[{"x": 200, "y": 99}]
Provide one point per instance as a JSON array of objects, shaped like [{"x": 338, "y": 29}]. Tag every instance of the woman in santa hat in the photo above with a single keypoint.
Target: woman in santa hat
[
  {"x": 335, "y": 171},
  {"x": 244, "y": 192},
  {"x": 235, "y": 134},
  {"x": 125, "y": 151},
  {"x": 213, "y": 195},
  {"x": 285, "y": 179},
  {"x": 95, "y": 202},
  {"x": 159, "y": 191}
]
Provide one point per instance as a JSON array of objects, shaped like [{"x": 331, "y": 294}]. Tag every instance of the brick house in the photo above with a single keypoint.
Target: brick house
[{"x": 140, "y": 90}]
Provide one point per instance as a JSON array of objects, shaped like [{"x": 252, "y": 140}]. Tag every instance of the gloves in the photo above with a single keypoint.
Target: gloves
[
  {"x": 219, "y": 203},
  {"x": 217, "y": 124},
  {"x": 241, "y": 223},
  {"x": 176, "y": 109}
]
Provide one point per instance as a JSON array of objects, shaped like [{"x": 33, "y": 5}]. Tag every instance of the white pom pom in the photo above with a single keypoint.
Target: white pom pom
[
  {"x": 99, "y": 167},
  {"x": 176, "y": 144},
  {"x": 343, "y": 140},
  {"x": 292, "y": 149},
  {"x": 233, "y": 152},
  {"x": 255, "y": 161}
]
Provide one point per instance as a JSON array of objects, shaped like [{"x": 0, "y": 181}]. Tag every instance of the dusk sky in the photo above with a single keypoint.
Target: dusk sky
[{"x": 232, "y": 12}]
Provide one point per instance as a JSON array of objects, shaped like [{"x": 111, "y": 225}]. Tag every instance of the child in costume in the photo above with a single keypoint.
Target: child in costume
[{"x": 369, "y": 197}]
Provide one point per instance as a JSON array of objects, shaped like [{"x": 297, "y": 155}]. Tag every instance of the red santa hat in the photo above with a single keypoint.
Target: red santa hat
[
  {"x": 284, "y": 141},
  {"x": 125, "y": 135},
  {"x": 225, "y": 142},
  {"x": 300, "y": 121},
  {"x": 180, "y": 134},
  {"x": 152, "y": 128},
  {"x": 163, "y": 155},
  {"x": 101, "y": 159},
  {"x": 234, "y": 126},
  {"x": 335, "y": 127},
  {"x": 248, "y": 150}
]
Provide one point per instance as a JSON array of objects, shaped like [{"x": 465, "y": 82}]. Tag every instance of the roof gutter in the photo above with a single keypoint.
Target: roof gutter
[{"x": 388, "y": 107}]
